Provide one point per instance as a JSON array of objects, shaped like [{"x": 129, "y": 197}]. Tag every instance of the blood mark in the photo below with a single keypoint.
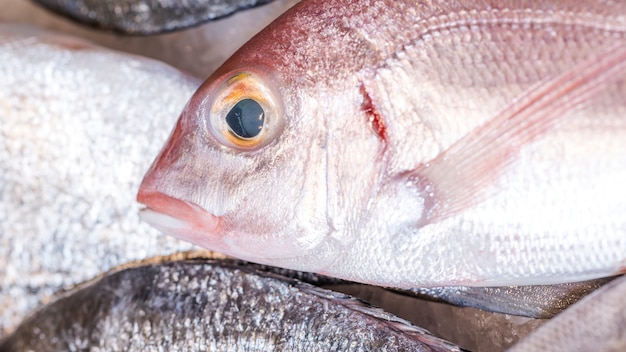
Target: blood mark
[{"x": 374, "y": 119}]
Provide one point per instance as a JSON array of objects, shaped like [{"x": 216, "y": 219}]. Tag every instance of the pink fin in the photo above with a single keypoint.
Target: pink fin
[{"x": 457, "y": 177}]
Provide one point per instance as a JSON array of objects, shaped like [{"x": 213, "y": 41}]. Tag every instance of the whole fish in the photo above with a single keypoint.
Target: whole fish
[
  {"x": 216, "y": 306},
  {"x": 77, "y": 122},
  {"x": 411, "y": 144},
  {"x": 596, "y": 323},
  {"x": 147, "y": 16}
]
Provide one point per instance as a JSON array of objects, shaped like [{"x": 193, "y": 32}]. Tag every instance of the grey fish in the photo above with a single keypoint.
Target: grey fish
[
  {"x": 536, "y": 301},
  {"x": 596, "y": 323},
  {"x": 199, "y": 50},
  {"x": 147, "y": 16},
  {"x": 77, "y": 124},
  {"x": 213, "y": 305}
]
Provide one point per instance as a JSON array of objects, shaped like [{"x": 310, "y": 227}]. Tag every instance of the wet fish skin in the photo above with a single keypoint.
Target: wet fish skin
[
  {"x": 145, "y": 17},
  {"x": 214, "y": 305},
  {"x": 78, "y": 122},
  {"x": 471, "y": 143},
  {"x": 539, "y": 301},
  {"x": 536, "y": 301},
  {"x": 595, "y": 323}
]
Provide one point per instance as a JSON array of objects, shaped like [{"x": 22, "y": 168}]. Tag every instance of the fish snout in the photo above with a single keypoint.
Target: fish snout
[{"x": 182, "y": 219}]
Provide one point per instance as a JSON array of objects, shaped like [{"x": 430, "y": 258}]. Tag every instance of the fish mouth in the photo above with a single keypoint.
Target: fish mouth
[{"x": 180, "y": 218}]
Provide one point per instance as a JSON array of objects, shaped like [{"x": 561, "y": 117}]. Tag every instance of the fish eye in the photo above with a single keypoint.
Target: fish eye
[
  {"x": 245, "y": 112},
  {"x": 246, "y": 119}
]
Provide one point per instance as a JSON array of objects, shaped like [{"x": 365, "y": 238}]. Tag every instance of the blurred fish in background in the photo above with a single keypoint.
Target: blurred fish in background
[
  {"x": 77, "y": 122},
  {"x": 147, "y": 16},
  {"x": 197, "y": 51}
]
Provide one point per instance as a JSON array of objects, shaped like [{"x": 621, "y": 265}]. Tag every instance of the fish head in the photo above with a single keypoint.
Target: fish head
[{"x": 246, "y": 170}]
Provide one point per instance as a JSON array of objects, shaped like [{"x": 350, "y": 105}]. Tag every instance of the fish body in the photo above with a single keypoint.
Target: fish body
[
  {"x": 538, "y": 301},
  {"x": 595, "y": 323},
  {"x": 147, "y": 17},
  {"x": 77, "y": 122},
  {"x": 406, "y": 144},
  {"x": 205, "y": 47},
  {"x": 216, "y": 306}
]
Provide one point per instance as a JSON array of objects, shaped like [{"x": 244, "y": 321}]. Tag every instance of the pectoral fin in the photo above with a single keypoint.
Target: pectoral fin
[{"x": 457, "y": 178}]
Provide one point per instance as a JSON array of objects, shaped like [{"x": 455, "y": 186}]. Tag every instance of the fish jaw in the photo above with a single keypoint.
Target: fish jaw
[
  {"x": 179, "y": 218},
  {"x": 192, "y": 223}
]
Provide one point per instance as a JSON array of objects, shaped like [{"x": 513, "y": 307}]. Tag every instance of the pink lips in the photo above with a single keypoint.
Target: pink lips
[{"x": 171, "y": 214}]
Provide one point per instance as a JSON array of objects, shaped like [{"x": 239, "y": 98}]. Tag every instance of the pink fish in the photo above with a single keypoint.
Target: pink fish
[{"x": 409, "y": 144}]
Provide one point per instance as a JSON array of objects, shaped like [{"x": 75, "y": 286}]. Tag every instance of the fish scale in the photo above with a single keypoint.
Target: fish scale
[
  {"x": 486, "y": 173},
  {"x": 213, "y": 305},
  {"x": 77, "y": 123}
]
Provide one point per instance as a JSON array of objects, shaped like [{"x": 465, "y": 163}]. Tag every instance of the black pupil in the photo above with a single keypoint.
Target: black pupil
[{"x": 246, "y": 118}]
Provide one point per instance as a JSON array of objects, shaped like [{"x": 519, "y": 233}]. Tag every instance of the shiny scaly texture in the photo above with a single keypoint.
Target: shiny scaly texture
[
  {"x": 78, "y": 125},
  {"x": 213, "y": 306},
  {"x": 596, "y": 323},
  {"x": 473, "y": 143}
]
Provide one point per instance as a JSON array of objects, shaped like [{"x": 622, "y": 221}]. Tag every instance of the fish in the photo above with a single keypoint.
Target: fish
[
  {"x": 212, "y": 305},
  {"x": 147, "y": 17},
  {"x": 596, "y": 323},
  {"x": 77, "y": 122},
  {"x": 537, "y": 301},
  {"x": 51, "y": 242},
  {"x": 404, "y": 144}
]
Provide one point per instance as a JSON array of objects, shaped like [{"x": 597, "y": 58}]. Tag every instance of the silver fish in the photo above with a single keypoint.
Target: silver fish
[
  {"x": 198, "y": 51},
  {"x": 596, "y": 323},
  {"x": 216, "y": 306},
  {"x": 77, "y": 124},
  {"x": 411, "y": 144},
  {"x": 539, "y": 301},
  {"x": 147, "y": 16}
]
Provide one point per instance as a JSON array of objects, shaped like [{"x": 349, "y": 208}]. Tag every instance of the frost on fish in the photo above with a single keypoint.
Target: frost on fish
[
  {"x": 411, "y": 144},
  {"x": 213, "y": 305}
]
